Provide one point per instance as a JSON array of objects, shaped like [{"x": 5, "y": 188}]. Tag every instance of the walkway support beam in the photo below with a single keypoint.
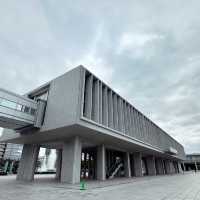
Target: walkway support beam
[
  {"x": 101, "y": 163},
  {"x": 71, "y": 161},
  {"x": 137, "y": 157},
  {"x": 28, "y": 162}
]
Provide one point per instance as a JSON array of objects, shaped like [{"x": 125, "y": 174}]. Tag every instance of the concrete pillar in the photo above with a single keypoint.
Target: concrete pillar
[
  {"x": 137, "y": 159},
  {"x": 167, "y": 167},
  {"x": 71, "y": 161},
  {"x": 58, "y": 163},
  {"x": 196, "y": 166},
  {"x": 180, "y": 168},
  {"x": 172, "y": 168},
  {"x": 163, "y": 166},
  {"x": 160, "y": 169},
  {"x": 28, "y": 161},
  {"x": 151, "y": 165},
  {"x": 184, "y": 169},
  {"x": 101, "y": 163},
  {"x": 127, "y": 165},
  {"x": 176, "y": 167}
]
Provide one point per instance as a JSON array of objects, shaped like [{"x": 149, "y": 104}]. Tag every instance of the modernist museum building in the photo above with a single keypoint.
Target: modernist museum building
[{"x": 97, "y": 134}]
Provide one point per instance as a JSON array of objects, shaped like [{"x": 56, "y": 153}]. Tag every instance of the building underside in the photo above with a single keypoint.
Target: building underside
[{"x": 77, "y": 160}]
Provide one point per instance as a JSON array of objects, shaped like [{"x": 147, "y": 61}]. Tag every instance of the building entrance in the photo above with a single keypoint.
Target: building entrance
[{"x": 88, "y": 163}]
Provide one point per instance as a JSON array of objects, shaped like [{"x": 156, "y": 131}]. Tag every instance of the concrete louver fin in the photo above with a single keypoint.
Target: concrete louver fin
[
  {"x": 115, "y": 112},
  {"x": 95, "y": 100},
  {"x": 100, "y": 102},
  {"x": 110, "y": 109},
  {"x": 88, "y": 97},
  {"x": 105, "y": 106}
]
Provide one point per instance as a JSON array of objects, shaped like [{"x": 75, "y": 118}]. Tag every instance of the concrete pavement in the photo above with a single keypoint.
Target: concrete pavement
[{"x": 174, "y": 187}]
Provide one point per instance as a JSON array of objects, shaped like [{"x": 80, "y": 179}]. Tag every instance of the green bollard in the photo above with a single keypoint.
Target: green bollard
[{"x": 82, "y": 186}]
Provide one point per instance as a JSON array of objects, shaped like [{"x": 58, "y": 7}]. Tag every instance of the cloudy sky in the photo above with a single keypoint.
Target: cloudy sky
[{"x": 148, "y": 51}]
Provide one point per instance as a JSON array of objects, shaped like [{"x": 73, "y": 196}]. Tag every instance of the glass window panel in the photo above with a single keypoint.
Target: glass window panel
[
  {"x": 8, "y": 104},
  {"x": 19, "y": 107},
  {"x": 33, "y": 111},
  {"x": 26, "y": 109}
]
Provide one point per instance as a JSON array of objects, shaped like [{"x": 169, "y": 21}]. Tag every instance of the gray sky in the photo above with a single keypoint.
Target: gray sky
[{"x": 148, "y": 51}]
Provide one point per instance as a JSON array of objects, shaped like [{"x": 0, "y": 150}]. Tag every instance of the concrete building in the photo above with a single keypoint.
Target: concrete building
[
  {"x": 192, "y": 162},
  {"x": 96, "y": 132},
  {"x": 10, "y": 155},
  {"x": 13, "y": 151}
]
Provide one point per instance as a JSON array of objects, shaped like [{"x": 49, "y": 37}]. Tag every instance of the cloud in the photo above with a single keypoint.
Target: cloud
[
  {"x": 135, "y": 43},
  {"x": 148, "y": 52}
]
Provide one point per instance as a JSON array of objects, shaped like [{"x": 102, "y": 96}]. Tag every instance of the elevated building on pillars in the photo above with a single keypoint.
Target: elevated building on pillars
[{"x": 96, "y": 132}]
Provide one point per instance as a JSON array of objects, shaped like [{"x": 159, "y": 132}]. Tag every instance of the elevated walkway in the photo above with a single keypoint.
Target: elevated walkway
[{"x": 18, "y": 112}]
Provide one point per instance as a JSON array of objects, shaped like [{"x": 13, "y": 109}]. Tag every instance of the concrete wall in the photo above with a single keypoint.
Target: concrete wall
[
  {"x": 63, "y": 105},
  {"x": 63, "y": 101}
]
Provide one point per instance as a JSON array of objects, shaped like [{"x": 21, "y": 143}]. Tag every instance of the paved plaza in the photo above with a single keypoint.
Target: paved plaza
[{"x": 174, "y": 187}]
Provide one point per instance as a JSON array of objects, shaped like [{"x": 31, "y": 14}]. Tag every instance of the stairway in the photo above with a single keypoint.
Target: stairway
[{"x": 116, "y": 170}]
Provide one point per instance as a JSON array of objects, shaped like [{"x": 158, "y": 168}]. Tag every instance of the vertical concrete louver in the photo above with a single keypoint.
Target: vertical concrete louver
[
  {"x": 115, "y": 112},
  {"x": 110, "y": 109},
  {"x": 100, "y": 102},
  {"x": 104, "y": 106},
  {"x": 88, "y": 97},
  {"x": 95, "y": 101},
  {"x": 119, "y": 101}
]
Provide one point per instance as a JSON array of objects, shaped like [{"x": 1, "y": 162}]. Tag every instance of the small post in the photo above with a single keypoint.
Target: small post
[{"x": 82, "y": 186}]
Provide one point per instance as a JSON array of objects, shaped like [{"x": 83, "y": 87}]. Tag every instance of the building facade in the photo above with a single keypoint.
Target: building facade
[
  {"x": 13, "y": 151},
  {"x": 96, "y": 132},
  {"x": 10, "y": 156},
  {"x": 192, "y": 162}
]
